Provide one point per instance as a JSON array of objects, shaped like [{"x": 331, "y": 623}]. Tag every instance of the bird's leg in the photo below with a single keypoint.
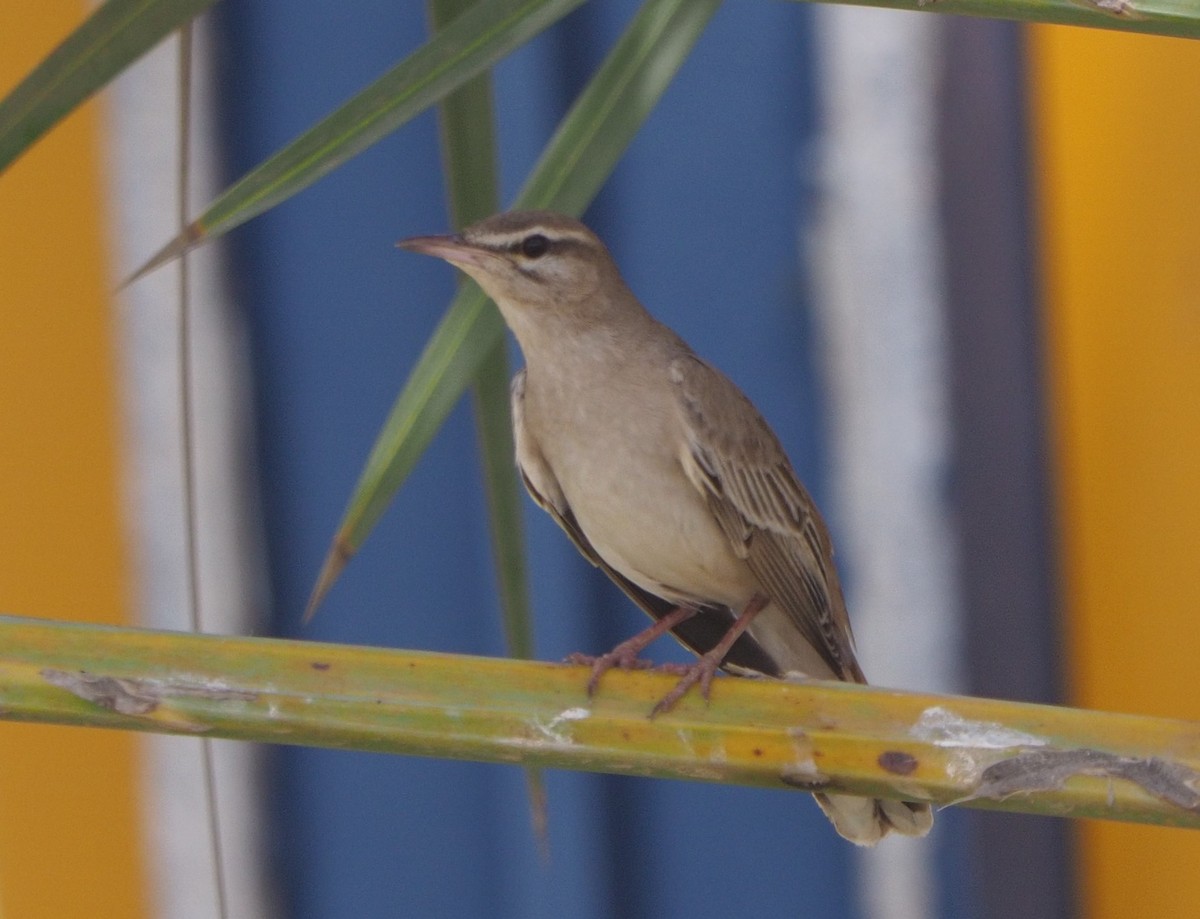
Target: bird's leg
[
  {"x": 625, "y": 655},
  {"x": 703, "y": 670}
]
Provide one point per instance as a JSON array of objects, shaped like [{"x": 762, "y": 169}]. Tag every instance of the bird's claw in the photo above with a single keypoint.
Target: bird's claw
[
  {"x": 701, "y": 672},
  {"x": 624, "y": 658}
]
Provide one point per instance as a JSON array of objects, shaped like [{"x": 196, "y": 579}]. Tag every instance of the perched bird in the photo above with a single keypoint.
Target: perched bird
[{"x": 665, "y": 476}]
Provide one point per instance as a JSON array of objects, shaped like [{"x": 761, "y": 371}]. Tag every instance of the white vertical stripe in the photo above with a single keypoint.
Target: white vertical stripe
[
  {"x": 142, "y": 144},
  {"x": 876, "y": 260}
]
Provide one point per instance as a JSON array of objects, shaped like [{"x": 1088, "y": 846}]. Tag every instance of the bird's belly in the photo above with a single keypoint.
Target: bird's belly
[{"x": 650, "y": 524}]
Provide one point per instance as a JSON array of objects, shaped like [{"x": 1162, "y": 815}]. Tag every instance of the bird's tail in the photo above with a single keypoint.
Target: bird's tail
[{"x": 865, "y": 821}]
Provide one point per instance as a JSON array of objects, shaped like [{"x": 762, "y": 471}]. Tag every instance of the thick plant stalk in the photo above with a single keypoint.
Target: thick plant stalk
[{"x": 979, "y": 752}]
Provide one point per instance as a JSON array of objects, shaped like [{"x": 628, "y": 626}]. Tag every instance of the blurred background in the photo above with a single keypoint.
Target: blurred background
[{"x": 954, "y": 263}]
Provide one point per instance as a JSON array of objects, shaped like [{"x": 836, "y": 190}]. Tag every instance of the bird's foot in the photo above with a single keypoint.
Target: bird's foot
[
  {"x": 706, "y": 667},
  {"x": 622, "y": 656},
  {"x": 625, "y": 655},
  {"x": 627, "y": 659},
  {"x": 701, "y": 672}
]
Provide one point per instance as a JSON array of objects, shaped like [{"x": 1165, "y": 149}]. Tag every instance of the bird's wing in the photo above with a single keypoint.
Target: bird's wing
[
  {"x": 539, "y": 478},
  {"x": 734, "y": 460},
  {"x": 702, "y": 631}
]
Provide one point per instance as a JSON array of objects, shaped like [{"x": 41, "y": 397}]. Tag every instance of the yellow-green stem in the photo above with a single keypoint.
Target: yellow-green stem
[{"x": 985, "y": 753}]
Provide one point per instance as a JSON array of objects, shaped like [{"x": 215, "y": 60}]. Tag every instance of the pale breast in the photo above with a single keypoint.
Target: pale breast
[{"x": 622, "y": 478}]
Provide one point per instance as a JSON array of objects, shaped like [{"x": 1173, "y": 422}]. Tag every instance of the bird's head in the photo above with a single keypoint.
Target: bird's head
[{"x": 528, "y": 261}]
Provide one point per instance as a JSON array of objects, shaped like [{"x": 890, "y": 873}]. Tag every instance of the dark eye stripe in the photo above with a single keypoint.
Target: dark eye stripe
[{"x": 554, "y": 242}]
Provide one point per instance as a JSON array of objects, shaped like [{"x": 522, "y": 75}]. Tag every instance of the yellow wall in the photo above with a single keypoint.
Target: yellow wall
[
  {"x": 69, "y": 842},
  {"x": 1117, "y": 139}
]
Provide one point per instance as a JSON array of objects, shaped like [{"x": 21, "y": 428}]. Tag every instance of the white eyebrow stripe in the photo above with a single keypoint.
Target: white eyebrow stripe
[{"x": 513, "y": 238}]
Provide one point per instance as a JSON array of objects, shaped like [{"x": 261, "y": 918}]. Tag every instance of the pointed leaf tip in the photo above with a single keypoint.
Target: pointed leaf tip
[
  {"x": 184, "y": 242},
  {"x": 339, "y": 555}
]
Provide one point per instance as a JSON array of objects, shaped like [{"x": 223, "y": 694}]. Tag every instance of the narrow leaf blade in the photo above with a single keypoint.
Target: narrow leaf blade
[
  {"x": 113, "y": 37},
  {"x": 445, "y": 369},
  {"x": 467, "y": 46},
  {"x": 469, "y": 148}
]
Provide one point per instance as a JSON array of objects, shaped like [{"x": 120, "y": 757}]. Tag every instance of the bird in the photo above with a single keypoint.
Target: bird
[{"x": 665, "y": 476}]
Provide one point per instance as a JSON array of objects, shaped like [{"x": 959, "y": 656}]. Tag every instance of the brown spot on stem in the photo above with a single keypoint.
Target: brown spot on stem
[{"x": 897, "y": 762}]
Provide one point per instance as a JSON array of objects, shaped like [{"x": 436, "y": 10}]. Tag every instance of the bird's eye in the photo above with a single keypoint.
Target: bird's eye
[{"x": 535, "y": 246}]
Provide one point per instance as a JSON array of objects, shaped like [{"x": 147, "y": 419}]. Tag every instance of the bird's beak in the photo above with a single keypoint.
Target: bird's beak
[{"x": 454, "y": 249}]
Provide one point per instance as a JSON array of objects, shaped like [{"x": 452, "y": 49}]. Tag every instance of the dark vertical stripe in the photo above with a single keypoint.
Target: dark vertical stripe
[{"x": 1018, "y": 866}]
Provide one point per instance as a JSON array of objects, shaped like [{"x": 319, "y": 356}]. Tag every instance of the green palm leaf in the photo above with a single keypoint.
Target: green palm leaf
[
  {"x": 469, "y": 150},
  {"x": 465, "y": 48}
]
